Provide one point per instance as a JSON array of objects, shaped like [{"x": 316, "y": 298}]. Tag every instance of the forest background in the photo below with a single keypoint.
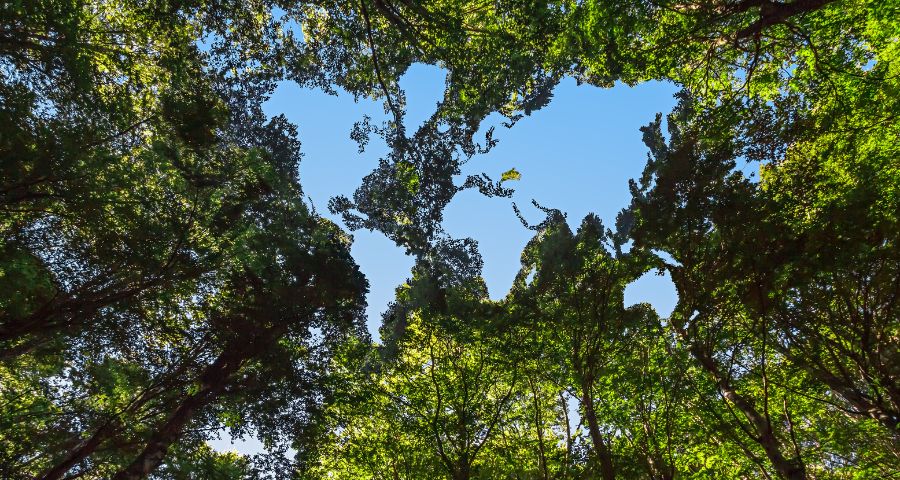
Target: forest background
[{"x": 165, "y": 276}]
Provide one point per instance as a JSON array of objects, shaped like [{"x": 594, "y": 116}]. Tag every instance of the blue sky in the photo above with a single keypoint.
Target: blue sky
[{"x": 576, "y": 155}]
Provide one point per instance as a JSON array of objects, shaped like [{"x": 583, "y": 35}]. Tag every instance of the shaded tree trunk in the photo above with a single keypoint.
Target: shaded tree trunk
[
  {"x": 607, "y": 469},
  {"x": 87, "y": 447},
  {"x": 213, "y": 381},
  {"x": 539, "y": 428},
  {"x": 773, "y": 13},
  {"x": 463, "y": 470},
  {"x": 81, "y": 451}
]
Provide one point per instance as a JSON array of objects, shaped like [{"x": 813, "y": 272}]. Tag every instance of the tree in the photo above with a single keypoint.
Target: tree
[
  {"x": 694, "y": 206},
  {"x": 445, "y": 401},
  {"x": 576, "y": 297}
]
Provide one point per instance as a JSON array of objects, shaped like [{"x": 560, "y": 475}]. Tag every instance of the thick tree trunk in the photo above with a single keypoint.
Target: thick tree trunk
[
  {"x": 607, "y": 469},
  {"x": 773, "y": 13},
  {"x": 463, "y": 471},
  {"x": 80, "y": 452},
  {"x": 87, "y": 447},
  {"x": 212, "y": 382}
]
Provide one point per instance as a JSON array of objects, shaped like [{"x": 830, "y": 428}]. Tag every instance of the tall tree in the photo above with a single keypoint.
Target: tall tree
[
  {"x": 693, "y": 205},
  {"x": 575, "y": 297},
  {"x": 445, "y": 400}
]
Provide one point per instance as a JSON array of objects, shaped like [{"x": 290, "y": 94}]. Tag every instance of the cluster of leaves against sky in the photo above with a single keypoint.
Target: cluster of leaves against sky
[{"x": 161, "y": 277}]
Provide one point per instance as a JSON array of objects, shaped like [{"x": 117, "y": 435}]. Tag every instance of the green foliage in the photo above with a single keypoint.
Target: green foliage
[
  {"x": 448, "y": 403},
  {"x": 160, "y": 277}
]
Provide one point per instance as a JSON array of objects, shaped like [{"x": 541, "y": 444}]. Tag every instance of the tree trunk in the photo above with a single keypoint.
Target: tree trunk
[
  {"x": 539, "y": 428},
  {"x": 463, "y": 472},
  {"x": 81, "y": 451},
  {"x": 787, "y": 468},
  {"x": 774, "y": 13},
  {"x": 850, "y": 393},
  {"x": 607, "y": 470},
  {"x": 86, "y": 448},
  {"x": 212, "y": 382}
]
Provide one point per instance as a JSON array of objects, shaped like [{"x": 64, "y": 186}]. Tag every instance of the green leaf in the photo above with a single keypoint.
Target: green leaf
[{"x": 511, "y": 174}]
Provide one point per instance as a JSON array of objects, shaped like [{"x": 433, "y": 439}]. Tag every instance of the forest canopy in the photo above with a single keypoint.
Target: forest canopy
[{"x": 162, "y": 276}]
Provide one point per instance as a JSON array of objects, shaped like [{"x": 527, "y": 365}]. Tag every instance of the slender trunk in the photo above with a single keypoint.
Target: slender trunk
[
  {"x": 657, "y": 467},
  {"x": 607, "y": 470},
  {"x": 395, "y": 474},
  {"x": 539, "y": 427},
  {"x": 212, "y": 382},
  {"x": 565, "y": 412}
]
